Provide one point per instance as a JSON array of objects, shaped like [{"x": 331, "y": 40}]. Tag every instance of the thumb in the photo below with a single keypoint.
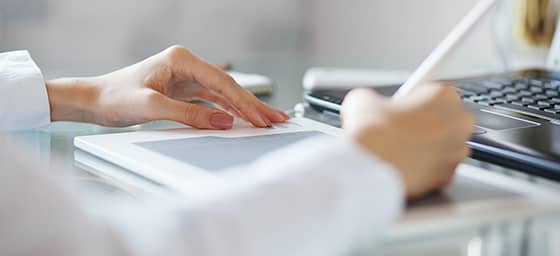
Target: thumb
[{"x": 197, "y": 116}]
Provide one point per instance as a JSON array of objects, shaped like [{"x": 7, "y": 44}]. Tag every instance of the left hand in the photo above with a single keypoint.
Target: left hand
[{"x": 156, "y": 89}]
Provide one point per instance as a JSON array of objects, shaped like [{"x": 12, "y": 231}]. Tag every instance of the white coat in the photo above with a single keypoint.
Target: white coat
[{"x": 338, "y": 199}]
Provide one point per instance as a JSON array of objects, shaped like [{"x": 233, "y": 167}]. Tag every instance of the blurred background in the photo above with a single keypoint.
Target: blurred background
[{"x": 278, "y": 38}]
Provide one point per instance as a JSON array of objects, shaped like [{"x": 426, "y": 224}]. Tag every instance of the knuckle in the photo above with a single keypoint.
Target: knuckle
[
  {"x": 178, "y": 52},
  {"x": 226, "y": 83},
  {"x": 245, "y": 107},
  {"x": 192, "y": 115},
  {"x": 151, "y": 96},
  {"x": 229, "y": 81}
]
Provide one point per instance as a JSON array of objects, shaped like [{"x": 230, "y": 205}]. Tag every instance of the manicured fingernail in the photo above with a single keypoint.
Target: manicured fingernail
[
  {"x": 256, "y": 117},
  {"x": 281, "y": 116},
  {"x": 221, "y": 121},
  {"x": 267, "y": 121}
]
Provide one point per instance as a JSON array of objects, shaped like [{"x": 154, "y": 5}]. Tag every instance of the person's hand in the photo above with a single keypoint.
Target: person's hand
[
  {"x": 157, "y": 88},
  {"x": 422, "y": 135}
]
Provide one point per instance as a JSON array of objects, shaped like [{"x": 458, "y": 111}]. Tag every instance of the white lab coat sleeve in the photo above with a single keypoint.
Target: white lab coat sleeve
[
  {"x": 320, "y": 197},
  {"x": 24, "y": 103}
]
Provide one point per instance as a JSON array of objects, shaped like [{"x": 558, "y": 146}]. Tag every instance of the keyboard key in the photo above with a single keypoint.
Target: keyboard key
[
  {"x": 534, "y": 106},
  {"x": 527, "y": 111},
  {"x": 520, "y": 86},
  {"x": 545, "y": 104},
  {"x": 466, "y": 93},
  {"x": 496, "y": 94},
  {"x": 532, "y": 97},
  {"x": 536, "y": 82},
  {"x": 552, "y": 93},
  {"x": 540, "y": 97},
  {"x": 509, "y": 90},
  {"x": 522, "y": 80},
  {"x": 536, "y": 90},
  {"x": 518, "y": 103},
  {"x": 552, "y": 111},
  {"x": 489, "y": 102},
  {"x": 474, "y": 88},
  {"x": 497, "y": 102},
  {"x": 492, "y": 85},
  {"x": 512, "y": 97},
  {"x": 528, "y": 100},
  {"x": 553, "y": 84},
  {"x": 525, "y": 93},
  {"x": 479, "y": 98},
  {"x": 503, "y": 81},
  {"x": 484, "y": 102}
]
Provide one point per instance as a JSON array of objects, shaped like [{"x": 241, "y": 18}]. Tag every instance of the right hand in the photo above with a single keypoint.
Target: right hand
[{"x": 423, "y": 135}]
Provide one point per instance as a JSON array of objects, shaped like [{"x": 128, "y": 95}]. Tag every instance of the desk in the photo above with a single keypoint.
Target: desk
[{"x": 484, "y": 212}]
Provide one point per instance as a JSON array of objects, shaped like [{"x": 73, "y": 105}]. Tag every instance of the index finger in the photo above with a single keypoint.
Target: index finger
[{"x": 207, "y": 75}]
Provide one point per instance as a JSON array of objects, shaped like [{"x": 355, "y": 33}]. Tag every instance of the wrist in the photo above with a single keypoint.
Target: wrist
[{"x": 71, "y": 99}]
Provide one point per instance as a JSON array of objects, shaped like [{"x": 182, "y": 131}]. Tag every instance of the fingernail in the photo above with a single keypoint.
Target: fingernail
[
  {"x": 282, "y": 116},
  {"x": 267, "y": 121},
  {"x": 221, "y": 121},
  {"x": 259, "y": 119},
  {"x": 276, "y": 117}
]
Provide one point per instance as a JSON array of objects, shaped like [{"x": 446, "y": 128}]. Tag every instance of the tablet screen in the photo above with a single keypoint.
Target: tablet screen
[{"x": 215, "y": 153}]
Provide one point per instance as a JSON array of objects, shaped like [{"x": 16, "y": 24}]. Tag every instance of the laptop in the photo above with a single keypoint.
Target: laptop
[{"x": 518, "y": 115}]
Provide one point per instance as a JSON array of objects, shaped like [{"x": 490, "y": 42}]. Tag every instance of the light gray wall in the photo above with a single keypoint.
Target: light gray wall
[
  {"x": 73, "y": 37},
  {"x": 94, "y": 36},
  {"x": 396, "y": 33}
]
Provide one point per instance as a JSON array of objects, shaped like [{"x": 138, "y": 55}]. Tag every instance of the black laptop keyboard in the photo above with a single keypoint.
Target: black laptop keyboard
[{"x": 533, "y": 97}]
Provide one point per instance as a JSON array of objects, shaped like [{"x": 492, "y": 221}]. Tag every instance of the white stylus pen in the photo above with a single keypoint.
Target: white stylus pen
[{"x": 427, "y": 70}]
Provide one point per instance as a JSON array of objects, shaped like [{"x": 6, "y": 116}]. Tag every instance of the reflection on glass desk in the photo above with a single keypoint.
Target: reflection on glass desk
[{"x": 486, "y": 211}]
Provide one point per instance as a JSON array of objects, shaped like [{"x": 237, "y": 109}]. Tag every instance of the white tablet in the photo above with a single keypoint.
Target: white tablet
[{"x": 177, "y": 157}]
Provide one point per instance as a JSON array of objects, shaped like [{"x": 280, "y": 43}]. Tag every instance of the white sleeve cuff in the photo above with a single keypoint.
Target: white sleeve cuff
[
  {"x": 326, "y": 195},
  {"x": 24, "y": 103}
]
